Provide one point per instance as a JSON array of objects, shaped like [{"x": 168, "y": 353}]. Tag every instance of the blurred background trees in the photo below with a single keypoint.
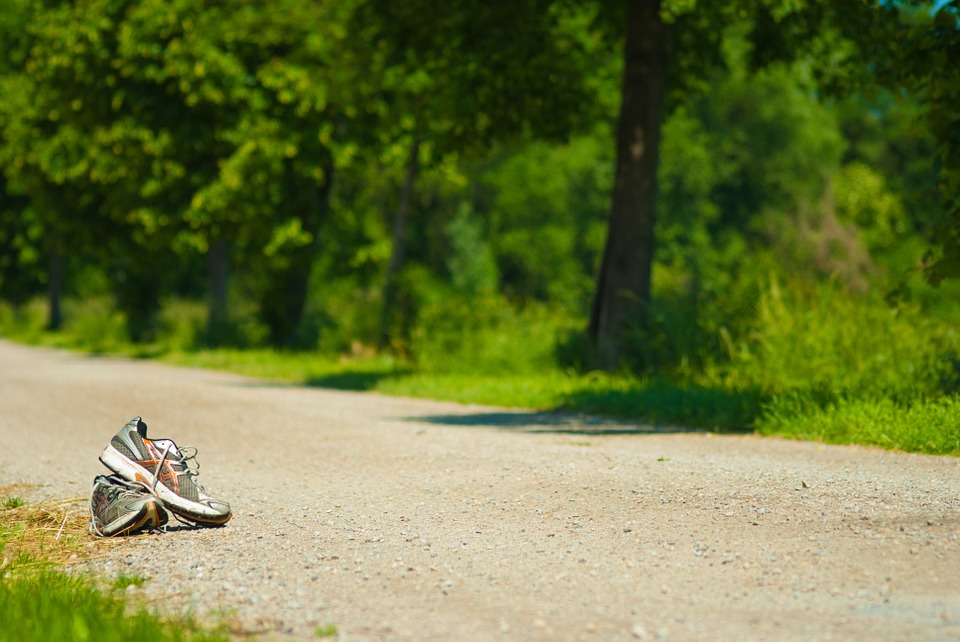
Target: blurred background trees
[{"x": 437, "y": 182}]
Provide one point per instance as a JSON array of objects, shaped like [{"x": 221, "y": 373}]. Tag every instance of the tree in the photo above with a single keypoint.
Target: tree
[
  {"x": 19, "y": 248},
  {"x": 924, "y": 47},
  {"x": 450, "y": 84},
  {"x": 623, "y": 286},
  {"x": 190, "y": 127},
  {"x": 256, "y": 106},
  {"x": 680, "y": 41},
  {"x": 43, "y": 154}
]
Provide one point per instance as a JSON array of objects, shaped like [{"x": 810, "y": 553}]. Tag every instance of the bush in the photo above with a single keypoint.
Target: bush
[
  {"x": 825, "y": 340},
  {"x": 27, "y": 320},
  {"x": 486, "y": 335},
  {"x": 182, "y": 324},
  {"x": 95, "y": 324}
]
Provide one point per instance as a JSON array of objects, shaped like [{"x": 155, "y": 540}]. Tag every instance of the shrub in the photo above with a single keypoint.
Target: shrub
[
  {"x": 824, "y": 339},
  {"x": 486, "y": 335},
  {"x": 95, "y": 324}
]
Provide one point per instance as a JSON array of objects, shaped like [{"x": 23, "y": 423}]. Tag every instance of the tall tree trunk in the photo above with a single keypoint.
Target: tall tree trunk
[
  {"x": 218, "y": 264},
  {"x": 55, "y": 286},
  {"x": 622, "y": 296},
  {"x": 398, "y": 254}
]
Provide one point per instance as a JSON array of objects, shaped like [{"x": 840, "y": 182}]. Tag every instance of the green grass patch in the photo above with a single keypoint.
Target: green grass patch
[
  {"x": 122, "y": 582},
  {"x": 813, "y": 361},
  {"x": 48, "y": 604},
  {"x": 617, "y": 396},
  {"x": 326, "y": 631},
  {"x": 40, "y": 601},
  {"x": 12, "y": 502},
  {"x": 926, "y": 426}
]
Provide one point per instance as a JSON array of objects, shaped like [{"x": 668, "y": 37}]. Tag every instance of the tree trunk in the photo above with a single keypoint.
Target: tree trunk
[
  {"x": 55, "y": 287},
  {"x": 398, "y": 254},
  {"x": 622, "y": 297},
  {"x": 218, "y": 264}
]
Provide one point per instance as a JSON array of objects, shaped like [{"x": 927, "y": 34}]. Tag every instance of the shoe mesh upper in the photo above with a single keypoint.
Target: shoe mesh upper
[
  {"x": 188, "y": 489},
  {"x": 122, "y": 447}
]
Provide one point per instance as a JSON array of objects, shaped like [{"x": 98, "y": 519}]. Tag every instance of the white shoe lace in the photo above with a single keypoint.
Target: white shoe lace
[{"x": 191, "y": 467}]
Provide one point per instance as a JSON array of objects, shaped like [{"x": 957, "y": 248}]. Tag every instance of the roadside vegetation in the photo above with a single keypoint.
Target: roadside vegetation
[
  {"x": 41, "y": 600},
  {"x": 818, "y": 365},
  {"x": 368, "y": 196}
]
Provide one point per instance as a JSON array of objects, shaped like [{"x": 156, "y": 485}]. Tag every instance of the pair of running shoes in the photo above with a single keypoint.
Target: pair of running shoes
[{"x": 151, "y": 479}]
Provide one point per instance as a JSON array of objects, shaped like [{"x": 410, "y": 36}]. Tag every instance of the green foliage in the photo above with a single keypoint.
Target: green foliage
[
  {"x": 863, "y": 198},
  {"x": 927, "y": 44},
  {"x": 831, "y": 343},
  {"x": 96, "y": 324},
  {"x": 793, "y": 197},
  {"x": 470, "y": 263},
  {"x": 24, "y": 321},
  {"x": 182, "y": 324},
  {"x": 547, "y": 209},
  {"x": 486, "y": 335},
  {"x": 668, "y": 404},
  {"x": 122, "y": 582}
]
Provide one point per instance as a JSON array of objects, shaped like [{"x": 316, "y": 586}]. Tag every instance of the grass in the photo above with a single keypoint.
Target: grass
[
  {"x": 35, "y": 535},
  {"x": 48, "y": 604},
  {"x": 328, "y": 630},
  {"x": 41, "y": 601},
  {"x": 812, "y": 363},
  {"x": 122, "y": 582},
  {"x": 928, "y": 426}
]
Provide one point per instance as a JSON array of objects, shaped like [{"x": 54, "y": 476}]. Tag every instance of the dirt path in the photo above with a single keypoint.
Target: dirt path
[{"x": 399, "y": 519}]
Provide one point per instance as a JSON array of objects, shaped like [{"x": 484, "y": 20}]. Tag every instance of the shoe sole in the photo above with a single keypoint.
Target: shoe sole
[
  {"x": 189, "y": 510},
  {"x": 148, "y": 516}
]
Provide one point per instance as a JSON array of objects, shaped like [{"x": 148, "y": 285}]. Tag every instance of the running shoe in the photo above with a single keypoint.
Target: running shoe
[
  {"x": 118, "y": 507},
  {"x": 169, "y": 472}
]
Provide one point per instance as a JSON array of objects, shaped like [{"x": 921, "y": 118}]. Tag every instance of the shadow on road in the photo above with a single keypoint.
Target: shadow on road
[
  {"x": 360, "y": 381},
  {"x": 552, "y": 422}
]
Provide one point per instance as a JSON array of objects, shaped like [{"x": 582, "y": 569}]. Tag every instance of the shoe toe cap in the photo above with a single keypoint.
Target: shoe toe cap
[{"x": 219, "y": 506}]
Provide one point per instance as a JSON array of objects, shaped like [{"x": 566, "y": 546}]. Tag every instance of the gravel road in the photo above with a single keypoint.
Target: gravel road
[{"x": 400, "y": 519}]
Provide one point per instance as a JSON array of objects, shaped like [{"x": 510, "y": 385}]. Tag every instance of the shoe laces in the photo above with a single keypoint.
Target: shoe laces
[
  {"x": 191, "y": 467},
  {"x": 187, "y": 456}
]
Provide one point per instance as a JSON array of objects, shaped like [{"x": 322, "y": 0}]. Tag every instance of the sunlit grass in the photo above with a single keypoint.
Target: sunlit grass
[
  {"x": 326, "y": 631},
  {"x": 40, "y": 601},
  {"x": 813, "y": 364},
  {"x": 47, "y": 604},
  {"x": 928, "y": 426}
]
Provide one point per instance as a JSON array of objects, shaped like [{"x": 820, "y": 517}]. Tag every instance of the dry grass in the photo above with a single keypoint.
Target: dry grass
[{"x": 47, "y": 532}]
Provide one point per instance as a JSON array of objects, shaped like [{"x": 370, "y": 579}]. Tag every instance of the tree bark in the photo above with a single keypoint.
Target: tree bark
[
  {"x": 622, "y": 296},
  {"x": 399, "y": 251}
]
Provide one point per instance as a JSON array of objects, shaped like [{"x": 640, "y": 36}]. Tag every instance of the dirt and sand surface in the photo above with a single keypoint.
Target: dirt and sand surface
[{"x": 401, "y": 519}]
